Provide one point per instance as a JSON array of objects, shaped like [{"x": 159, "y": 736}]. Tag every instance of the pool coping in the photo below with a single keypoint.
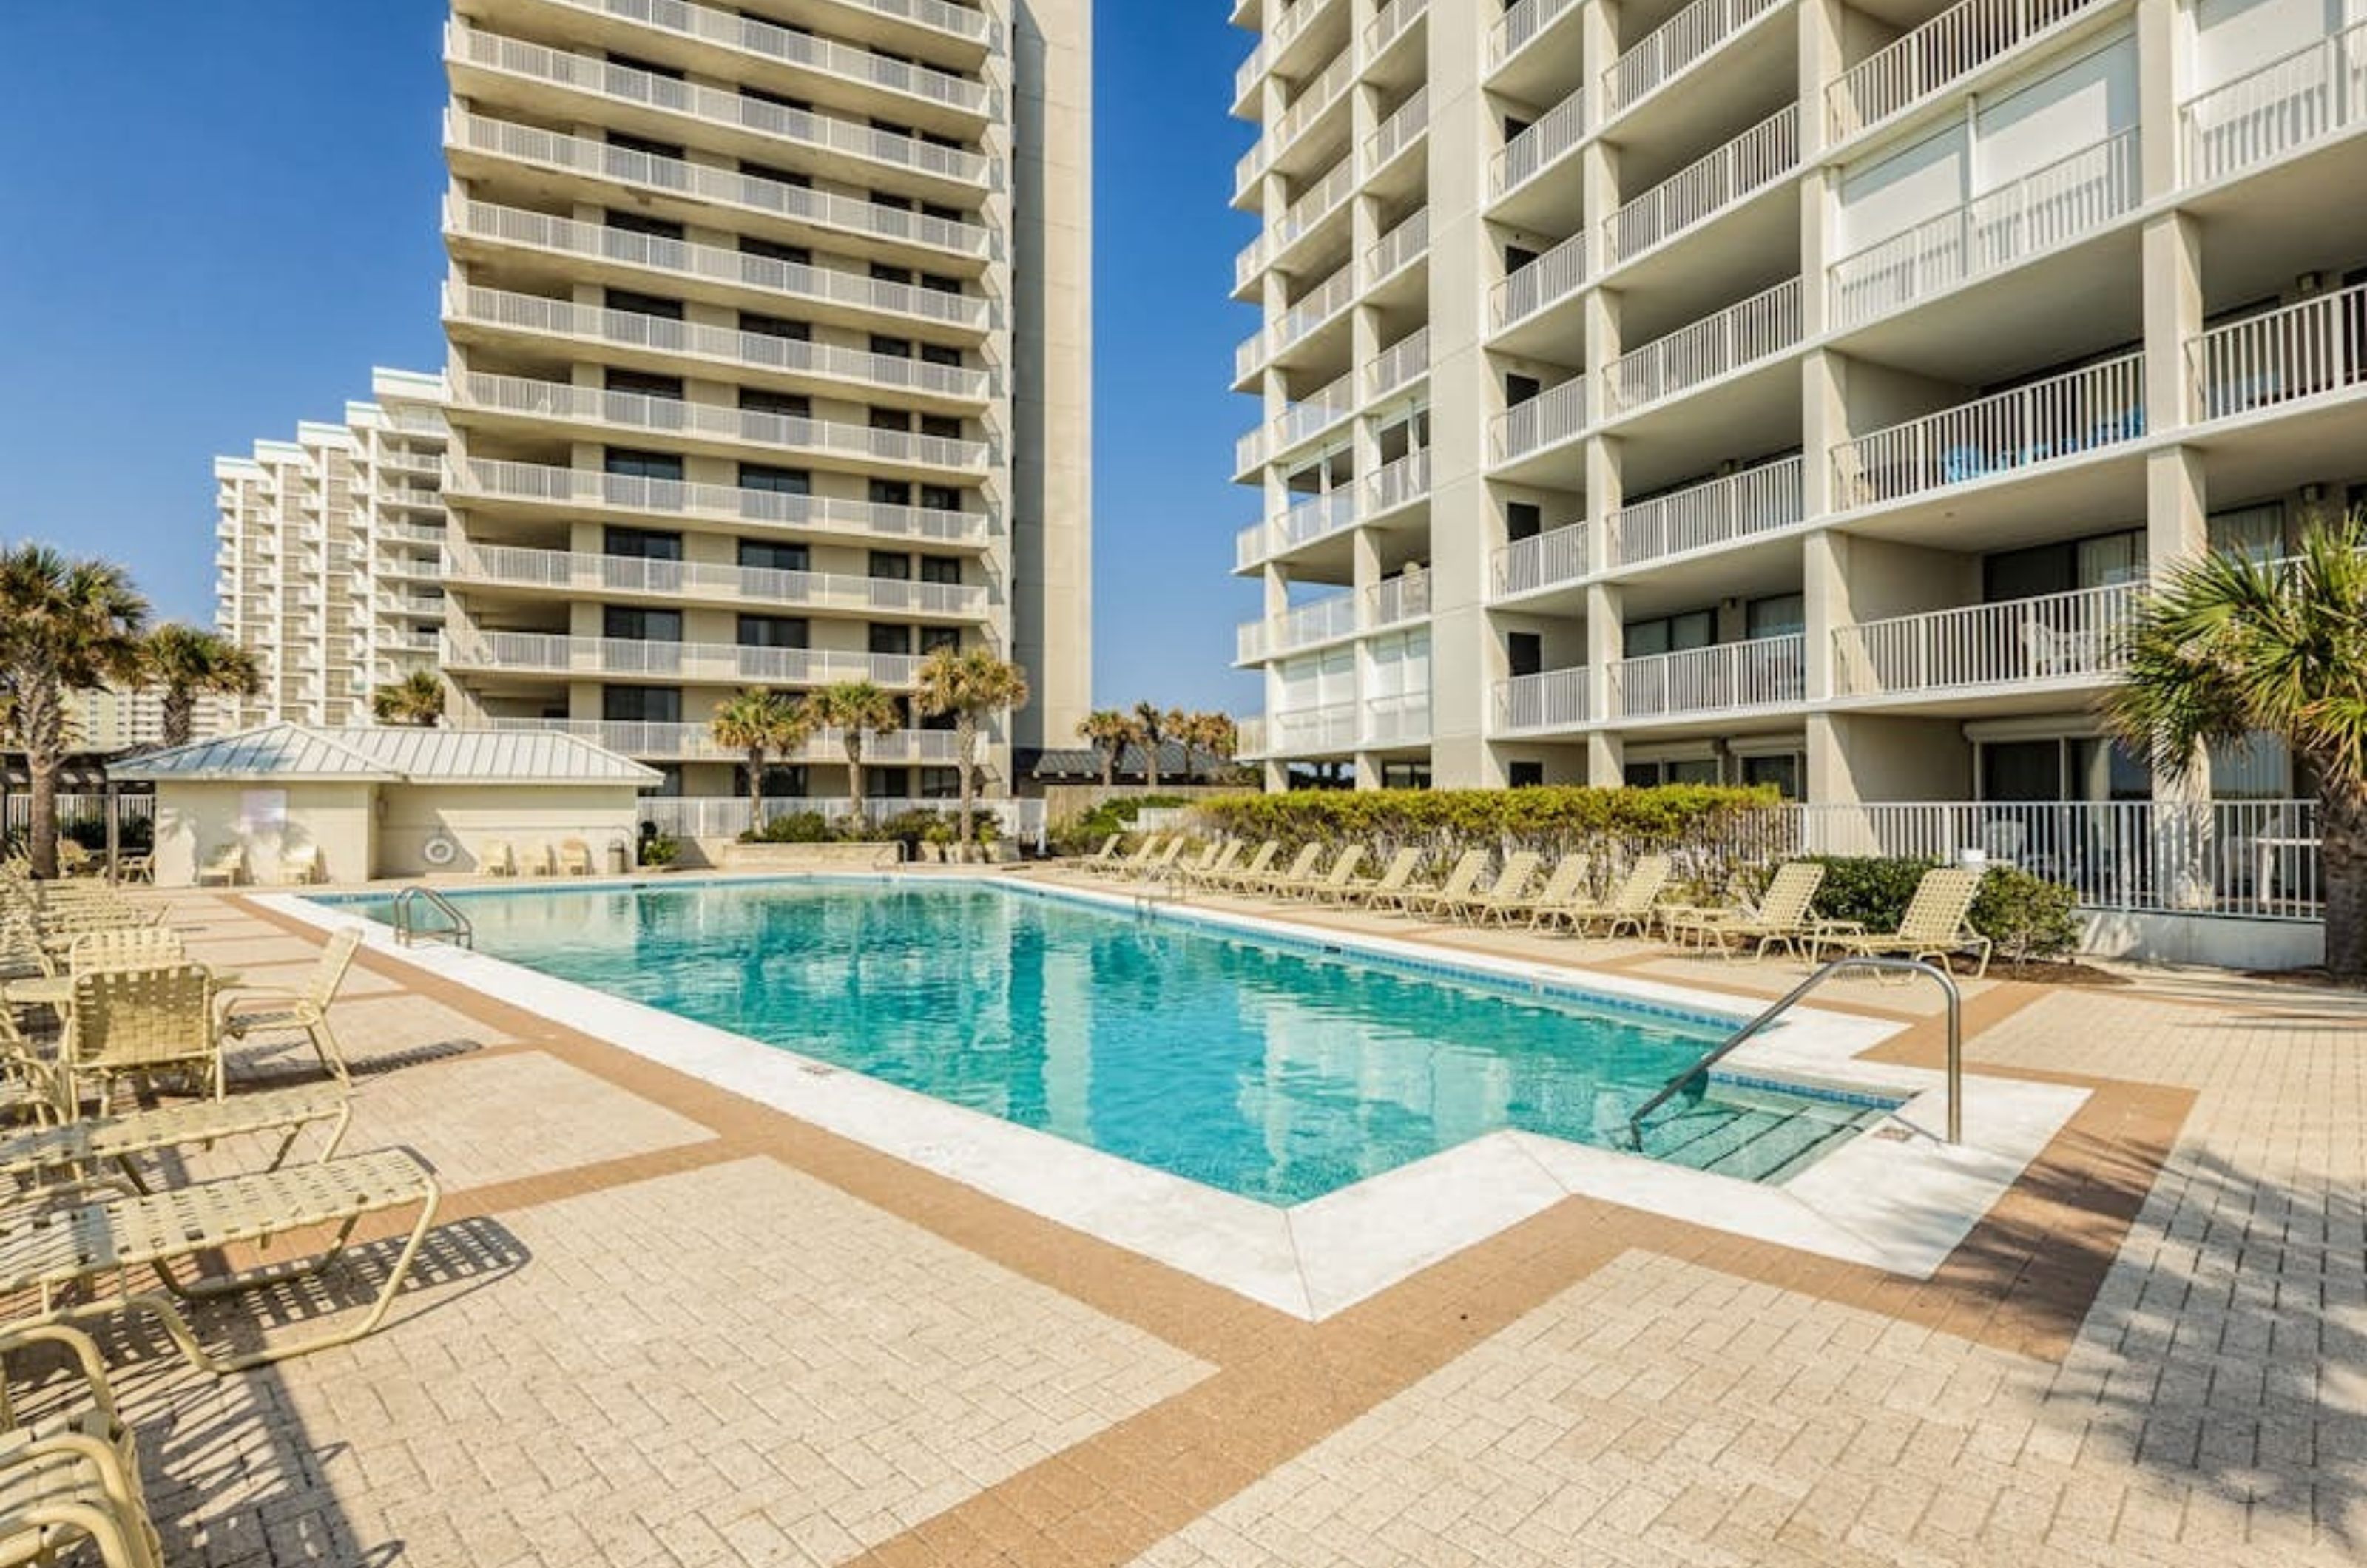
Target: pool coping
[{"x": 1895, "y": 1198}]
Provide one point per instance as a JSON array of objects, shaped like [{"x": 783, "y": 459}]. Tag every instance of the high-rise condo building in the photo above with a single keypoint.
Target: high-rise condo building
[
  {"x": 328, "y": 556},
  {"x": 769, "y": 330},
  {"x": 1791, "y": 392}
]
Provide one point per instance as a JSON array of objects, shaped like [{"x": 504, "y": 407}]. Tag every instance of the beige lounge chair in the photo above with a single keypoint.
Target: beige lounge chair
[
  {"x": 35, "y": 1156},
  {"x": 1228, "y": 856},
  {"x": 1161, "y": 864},
  {"x": 75, "y": 861},
  {"x": 242, "y": 1010},
  {"x": 1210, "y": 853},
  {"x": 1935, "y": 926},
  {"x": 1118, "y": 865},
  {"x": 1102, "y": 856},
  {"x": 82, "y": 1261},
  {"x": 1301, "y": 866},
  {"x": 138, "y": 1023},
  {"x": 1344, "y": 870},
  {"x": 1630, "y": 904},
  {"x": 1780, "y": 918},
  {"x": 1394, "y": 876},
  {"x": 70, "y": 1476},
  {"x": 1252, "y": 869},
  {"x": 225, "y": 867},
  {"x": 574, "y": 858},
  {"x": 301, "y": 867},
  {"x": 497, "y": 859},
  {"x": 1508, "y": 892},
  {"x": 1565, "y": 884},
  {"x": 136, "y": 868},
  {"x": 1461, "y": 878}
]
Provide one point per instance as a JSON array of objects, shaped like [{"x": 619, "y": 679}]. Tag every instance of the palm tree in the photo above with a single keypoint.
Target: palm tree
[
  {"x": 64, "y": 625},
  {"x": 1148, "y": 730},
  {"x": 188, "y": 663},
  {"x": 415, "y": 701},
  {"x": 1106, "y": 731},
  {"x": 968, "y": 685},
  {"x": 855, "y": 709},
  {"x": 760, "y": 724},
  {"x": 2223, "y": 647}
]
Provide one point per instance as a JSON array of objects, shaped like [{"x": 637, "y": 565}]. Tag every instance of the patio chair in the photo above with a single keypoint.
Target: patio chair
[
  {"x": 38, "y": 1157},
  {"x": 1117, "y": 866},
  {"x": 1228, "y": 855},
  {"x": 1509, "y": 891},
  {"x": 244, "y": 1010},
  {"x": 1936, "y": 925},
  {"x": 1301, "y": 867},
  {"x": 301, "y": 867},
  {"x": 1630, "y": 904},
  {"x": 1102, "y": 856},
  {"x": 1344, "y": 867},
  {"x": 127, "y": 947},
  {"x": 81, "y": 1261},
  {"x": 1251, "y": 870},
  {"x": 1564, "y": 882},
  {"x": 136, "y": 868},
  {"x": 71, "y": 1476},
  {"x": 1210, "y": 853},
  {"x": 1393, "y": 877},
  {"x": 225, "y": 867},
  {"x": 1461, "y": 878},
  {"x": 1161, "y": 864},
  {"x": 1782, "y": 916},
  {"x": 138, "y": 1023},
  {"x": 574, "y": 858},
  {"x": 75, "y": 861},
  {"x": 497, "y": 859}
]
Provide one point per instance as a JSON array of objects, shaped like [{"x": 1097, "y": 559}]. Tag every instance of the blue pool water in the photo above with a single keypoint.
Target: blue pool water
[{"x": 1269, "y": 1071}]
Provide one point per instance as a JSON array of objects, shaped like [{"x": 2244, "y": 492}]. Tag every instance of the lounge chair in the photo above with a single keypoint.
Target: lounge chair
[
  {"x": 1630, "y": 904},
  {"x": 225, "y": 867},
  {"x": 1252, "y": 869},
  {"x": 36, "y": 1156},
  {"x": 1507, "y": 892},
  {"x": 1210, "y": 853},
  {"x": 1565, "y": 884},
  {"x": 1393, "y": 877},
  {"x": 1228, "y": 855},
  {"x": 497, "y": 859},
  {"x": 82, "y": 1260},
  {"x": 1159, "y": 866},
  {"x": 1460, "y": 880},
  {"x": 137, "y": 1023},
  {"x": 1102, "y": 856},
  {"x": 242, "y": 1010},
  {"x": 136, "y": 868},
  {"x": 1118, "y": 865},
  {"x": 70, "y": 1475},
  {"x": 1301, "y": 866},
  {"x": 1782, "y": 916},
  {"x": 1344, "y": 869},
  {"x": 75, "y": 861},
  {"x": 1936, "y": 925},
  {"x": 574, "y": 858}
]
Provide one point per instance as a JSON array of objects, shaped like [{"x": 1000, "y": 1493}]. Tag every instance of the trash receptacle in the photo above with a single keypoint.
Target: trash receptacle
[{"x": 619, "y": 863}]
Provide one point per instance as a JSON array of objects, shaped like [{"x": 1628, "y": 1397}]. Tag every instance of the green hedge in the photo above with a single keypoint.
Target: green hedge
[{"x": 1083, "y": 835}]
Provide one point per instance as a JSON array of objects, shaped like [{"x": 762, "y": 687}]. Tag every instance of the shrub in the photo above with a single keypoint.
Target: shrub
[
  {"x": 918, "y": 826},
  {"x": 2029, "y": 917},
  {"x": 1083, "y": 835},
  {"x": 660, "y": 850},
  {"x": 793, "y": 828},
  {"x": 1870, "y": 889},
  {"x": 133, "y": 834}
]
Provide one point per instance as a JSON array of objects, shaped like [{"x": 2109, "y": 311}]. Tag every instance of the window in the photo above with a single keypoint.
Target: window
[
  {"x": 943, "y": 426},
  {"x": 936, "y": 283},
  {"x": 765, "y": 555},
  {"x": 891, "y": 638},
  {"x": 2021, "y": 770},
  {"x": 773, "y": 249},
  {"x": 940, "y": 784},
  {"x": 642, "y": 465},
  {"x": 888, "y": 198},
  {"x": 1782, "y": 771},
  {"x": 940, "y": 354},
  {"x": 625, "y": 299},
  {"x": 779, "y": 176},
  {"x": 1405, "y": 775},
  {"x": 641, "y": 705},
  {"x": 642, "y": 544},
  {"x": 641, "y": 223},
  {"x": 786, "y": 405},
  {"x": 646, "y": 67},
  {"x": 1690, "y": 771},
  {"x": 934, "y": 639},
  {"x": 942, "y": 214},
  {"x": 882, "y": 272},
  {"x": 887, "y": 784},
  {"x": 1783, "y": 615},
  {"x": 891, "y": 419},
  {"x": 1525, "y": 775},
  {"x": 781, "y": 780},
  {"x": 891, "y": 347},
  {"x": 2093, "y": 562},
  {"x": 1640, "y": 775},
  {"x": 1516, "y": 258},
  {"x": 772, "y": 631},
  {"x": 941, "y": 569},
  {"x": 1523, "y": 520},
  {"x": 941, "y": 498},
  {"x": 644, "y": 146},
  {"x": 1524, "y": 653},
  {"x": 888, "y": 566},
  {"x": 1519, "y": 390},
  {"x": 890, "y": 493},
  {"x": 631, "y": 623},
  {"x": 779, "y": 481},
  {"x": 1671, "y": 634},
  {"x": 778, "y": 100},
  {"x": 2255, "y": 532},
  {"x": 775, "y": 326},
  {"x": 641, "y": 383}
]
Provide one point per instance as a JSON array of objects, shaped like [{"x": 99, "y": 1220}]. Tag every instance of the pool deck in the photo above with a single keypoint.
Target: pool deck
[{"x": 658, "y": 1323}]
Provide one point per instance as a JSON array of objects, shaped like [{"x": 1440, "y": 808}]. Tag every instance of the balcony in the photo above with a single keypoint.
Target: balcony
[
  {"x": 1308, "y": 417},
  {"x": 821, "y": 56},
  {"x": 673, "y": 262},
  {"x": 1521, "y": 26},
  {"x": 969, "y": 23},
  {"x": 1332, "y": 728},
  {"x": 1404, "y": 361},
  {"x": 1551, "y": 699},
  {"x": 1396, "y": 719},
  {"x": 2265, "y": 114},
  {"x": 1395, "y": 484},
  {"x": 1314, "y": 310},
  {"x": 1289, "y": 24},
  {"x": 1551, "y": 560},
  {"x": 1315, "y": 100},
  {"x": 1706, "y": 517},
  {"x": 2311, "y": 350},
  {"x": 1386, "y": 489},
  {"x": 1557, "y": 414},
  {"x": 1673, "y": 47},
  {"x": 1693, "y": 194},
  {"x": 2061, "y": 638},
  {"x": 1399, "y": 249},
  {"x": 558, "y": 402},
  {"x": 2050, "y": 207},
  {"x": 696, "y": 742},
  {"x": 1948, "y": 48},
  {"x": 1390, "y": 24},
  {"x": 1552, "y": 137},
  {"x": 1252, "y": 732},
  {"x": 618, "y": 84},
  {"x": 542, "y": 316},
  {"x": 2080, "y": 412},
  {"x": 1316, "y": 203},
  {"x": 571, "y": 490},
  {"x": 1326, "y": 619},
  {"x": 1396, "y": 601},
  {"x": 1407, "y": 123},
  {"x": 1740, "y": 336},
  {"x": 1549, "y": 280},
  {"x": 513, "y": 143},
  {"x": 545, "y": 653},
  {"x": 1731, "y": 677},
  {"x": 570, "y": 572}
]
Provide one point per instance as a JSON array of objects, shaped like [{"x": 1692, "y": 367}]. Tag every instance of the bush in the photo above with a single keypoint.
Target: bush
[
  {"x": 133, "y": 834},
  {"x": 793, "y": 828},
  {"x": 918, "y": 826},
  {"x": 1083, "y": 835},
  {"x": 1869, "y": 889},
  {"x": 2029, "y": 917},
  {"x": 660, "y": 850}
]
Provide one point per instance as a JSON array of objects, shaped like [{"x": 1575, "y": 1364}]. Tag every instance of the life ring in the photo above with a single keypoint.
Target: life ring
[{"x": 439, "y": 851}]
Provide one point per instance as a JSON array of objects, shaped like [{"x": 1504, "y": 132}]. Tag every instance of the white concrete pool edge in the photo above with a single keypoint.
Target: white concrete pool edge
[{"x": 1897, "y": 1198}]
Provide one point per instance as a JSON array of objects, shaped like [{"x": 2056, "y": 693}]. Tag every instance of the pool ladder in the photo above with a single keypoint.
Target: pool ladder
[
  {"x": 411, "y": 902},
  {"x": 1909, "y": 966}
]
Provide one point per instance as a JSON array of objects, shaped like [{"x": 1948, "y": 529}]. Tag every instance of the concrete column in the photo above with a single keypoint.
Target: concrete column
[
  {"x": 1605, "y": 752},
  {"x": 1824, "y": 592},
  {"x": 2160, "y": 41},
  {"x": 1824, "y": 423},
  {"x": 2173, "y": 315}
]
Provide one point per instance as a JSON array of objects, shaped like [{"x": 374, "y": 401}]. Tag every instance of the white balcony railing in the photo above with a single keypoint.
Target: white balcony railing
[
  {"x": 1551, "y": 699},
  {"x": 1394, "y": 484},
  {"x": 557, "y": 654},
  {"x": 1316, "y": 203},
  {"x": 1400, "y": 248},
  {"x": 810, "y": 51},
  {"x": 1673, "y": 47},
  {"x": 2314, "y": 91},
  {"x": 1321, "y": 620},
  {"x": 674, "y": 261},
  {"x": 1405, "y": 124},
  {"x": 1551, "y": 279},
  {"x": 1542, "y": 561},
  {"x": 559, "y": 400},
  {"x": 1519, "y": 27},
  {"x": 725, "y": 187},
  {"x": 1315, "y": 518},
  {"x": 575, "y": 488},
  {"x": 2060, "y": 636},
  {"x": 1750, "y": 162},
  {"x": 1395, "y": 601},
  {"x": 2064, "y": 416},
  {"x": 1402, "y": 361},
  {"x": 2306, "y": 350},
  {"x": 1554, "y": 414},
  {"x": 727, "y": 816},
  {"x": 1252, "y": 732},
  {"x": 2048, "y": 208},
  {"x": 1308, "y": 417},
  {"x": 1762, "y": 673},
  {"x": 1554, "y": 135},
  {"x": 1390, "y": 24},
  {"x": 711, "y": 106},
  {"x": 1288, "y": 22},
  {"x": 1396, "y": 719},
  {"x": 1332, "y": 728},
  {"x": 545, "y": 317},
  {"x": 1741, "y": 335},
  {"x": 1397, "y": 484},
  {"x": 573, "y": 571},
  {"x": 696, "y": 742},
  {"x": 970, "y": 22},
  {"x": 1954, "y": 44},
  {"x": 1723, "y": 512}
]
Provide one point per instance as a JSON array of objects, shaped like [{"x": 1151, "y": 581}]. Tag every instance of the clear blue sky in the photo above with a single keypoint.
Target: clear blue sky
[{"x": 224, "y": 213}]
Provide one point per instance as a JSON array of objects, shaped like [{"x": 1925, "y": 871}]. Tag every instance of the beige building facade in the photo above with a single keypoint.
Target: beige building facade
[
  {"x": 769, "y": 336},
  {"x": 1784, "y": 392}
]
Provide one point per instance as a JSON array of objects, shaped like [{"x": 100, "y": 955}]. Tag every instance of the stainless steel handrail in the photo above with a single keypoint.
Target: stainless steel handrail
[
  {"x": 407, "y": 928},
  {"x": 1947, "y": 983}
]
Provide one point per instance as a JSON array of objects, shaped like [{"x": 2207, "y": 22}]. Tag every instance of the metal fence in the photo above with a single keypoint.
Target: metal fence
[{"x": 74, "y": 809}]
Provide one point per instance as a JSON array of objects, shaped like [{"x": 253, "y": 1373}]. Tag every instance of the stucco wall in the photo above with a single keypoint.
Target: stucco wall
[
  {"x": 197, "y": 821},
  {"x": 533, "y": 818}
]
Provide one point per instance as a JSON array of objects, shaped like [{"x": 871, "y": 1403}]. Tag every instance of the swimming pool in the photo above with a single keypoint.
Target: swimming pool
[{"x": 1275, "y": 1070}]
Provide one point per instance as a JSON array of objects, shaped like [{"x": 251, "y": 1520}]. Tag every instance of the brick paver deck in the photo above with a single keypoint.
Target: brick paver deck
[{"x": 660, "y": 1324}]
